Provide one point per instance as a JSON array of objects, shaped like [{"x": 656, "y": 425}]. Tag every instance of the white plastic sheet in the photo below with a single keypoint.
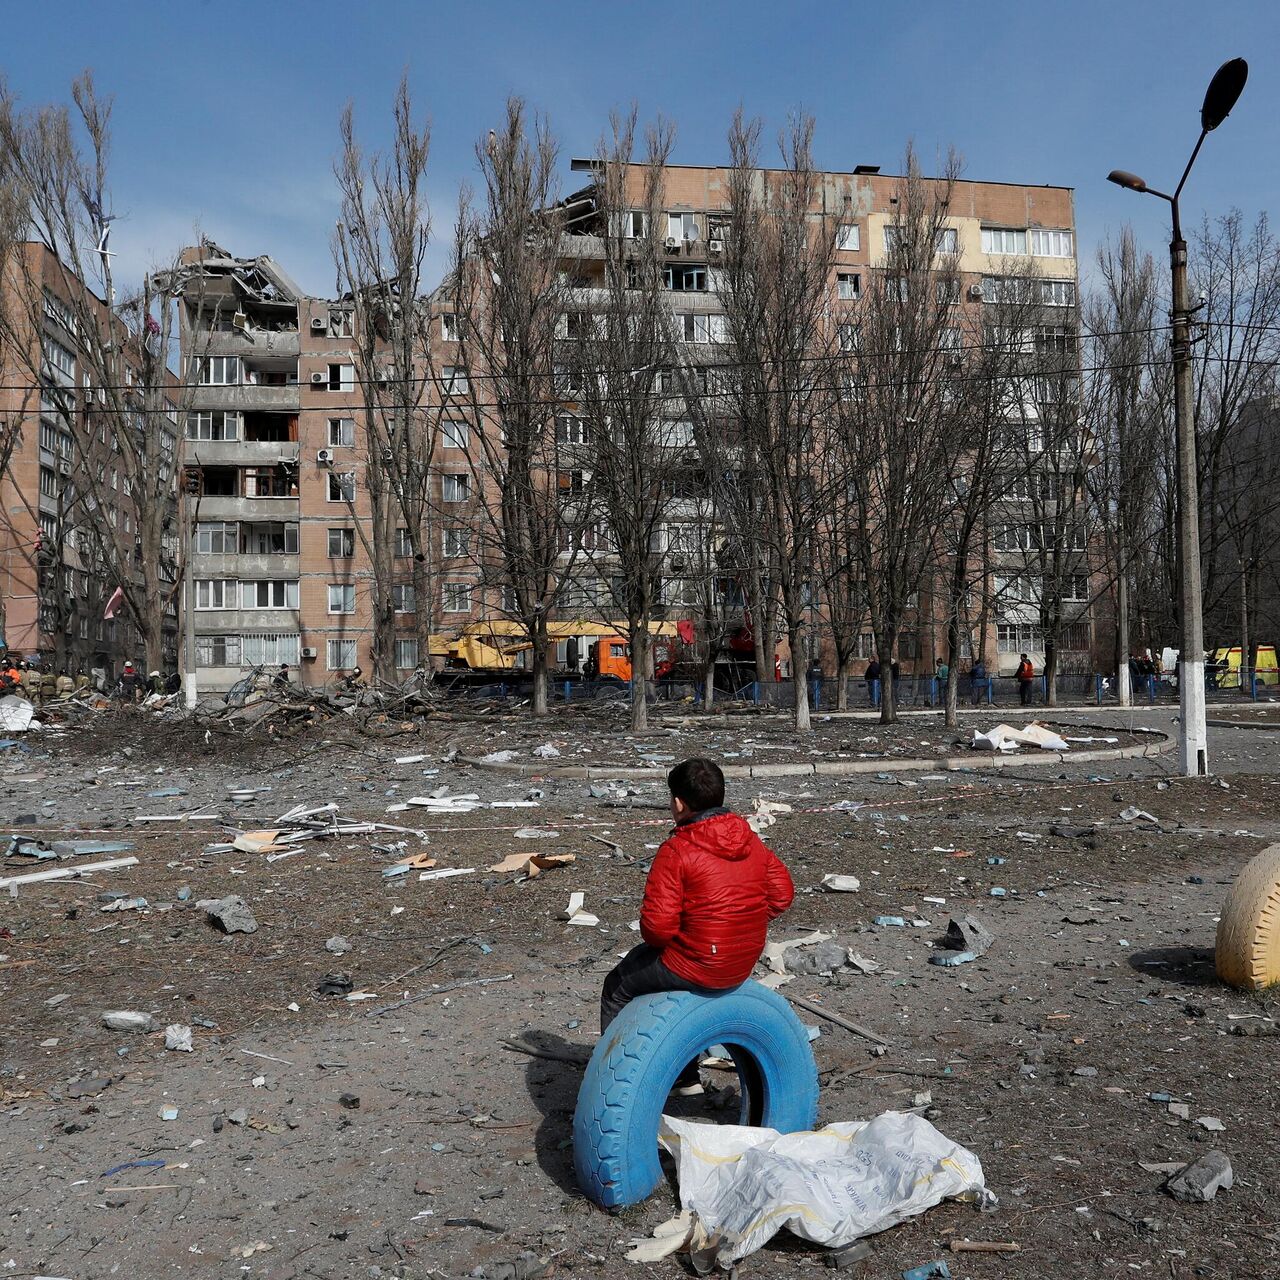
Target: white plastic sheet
[
  {"x": 830, "y": 1186},
  {"x": 1004, "y": 737},
  {"x": 15, "y": 714}
]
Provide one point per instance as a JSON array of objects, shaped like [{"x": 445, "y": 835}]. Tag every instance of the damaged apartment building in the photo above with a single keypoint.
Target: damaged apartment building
[
  {"x": 274, "y": 463},
  {"x": 275, "y": 451}
]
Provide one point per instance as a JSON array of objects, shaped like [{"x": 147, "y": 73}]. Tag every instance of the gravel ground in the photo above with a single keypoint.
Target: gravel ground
[{"x": 457, "y": 1154}]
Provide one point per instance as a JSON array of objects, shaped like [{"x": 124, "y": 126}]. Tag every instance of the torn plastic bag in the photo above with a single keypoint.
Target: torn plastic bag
[{"x": 831, "y": 1186}]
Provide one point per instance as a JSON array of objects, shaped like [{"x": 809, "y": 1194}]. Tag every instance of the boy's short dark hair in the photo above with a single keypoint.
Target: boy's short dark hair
[{"x": 698, "y": 782}]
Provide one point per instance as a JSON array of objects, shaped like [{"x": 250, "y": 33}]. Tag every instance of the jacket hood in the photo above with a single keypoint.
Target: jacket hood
[{"x": 719, "y": 832}]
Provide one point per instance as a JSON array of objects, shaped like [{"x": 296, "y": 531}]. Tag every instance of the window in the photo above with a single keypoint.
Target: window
[
  {"x": 1057, "y": 339},
  {"x": 269, "y": 593},
  {"x": 566, "y": 379},
  {"x": 702, "y": 328},
  {"x": 1075, "y": 587},
  {"x": 947, "y": 240},
  {"x": 949, "y": 340},
  {"x": 342, "y": 597},
  {"x": 58, "y": 359},
  {"x": 675, "y": 435},
  {"x": 1004, "y": 240},
  {"x": 1052, "y": 244},
  {"x": 681, "y": 593},
  {"x": 848, "y": 286},
  {"x": 455, "y": 542},
  {"x": 454, "y": 380},
  {"x": 342, "y": 433},
  {"x": 217, "y": 539},
  {"x": 570, "y": 430},
  {"x": 48, "y": 437},
  {"x": 453, "y": 434},
  {"x": 848, "y": 337},
  {"x": 1075, "y": 637},
  {"x": 342, "y": 486},
  {"x": 1058, "y": 293},
  {"x": 341, "y": 377},
  {"x": 340, "y": 655},
  {"x": 908, "y": 644},
  {"x": 455, "y": 488},
  {"x": 849, "y": 237},
  {"x": 402, "y": 598},
  {"x": 406, "y": 653},
  {"x": 269, "y": 649},
  {"x": 571, "y": 482},
  {"x": 1014, "y": 537},
  {"x": 681, "y": 226},
  {"x": 48, "y": 482},
  {"x": 635, "y": 224},
  {"x": 947, "y": 290},
  {"x": 59, "y": 312},
  {"x": 339, "y": 324},
  {"x": 682, "y": 277},
  {"x": 271, "y": 538},
  {"x": 342, "y": 544},
  {"x": 213, "y": 426},
  {"x": 457, "y": 597},
  {"x": 215, "y": 593},
  {"x": 220, "y": 371},
  {"x": 404, "y": 547},
  {"x": 449, "y": 327},
  {"x": 1004, "y": 289},
  {"x": 217, "y": 651}
]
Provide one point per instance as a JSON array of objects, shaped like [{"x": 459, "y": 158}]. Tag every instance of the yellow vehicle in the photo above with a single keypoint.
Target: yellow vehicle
[
  {"x": 501, "y": 646},
  {"x": 1227, "y": 664}
]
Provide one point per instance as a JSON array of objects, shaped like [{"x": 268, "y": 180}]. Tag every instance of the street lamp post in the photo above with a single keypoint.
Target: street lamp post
[{"x": 1193, "y": 745}]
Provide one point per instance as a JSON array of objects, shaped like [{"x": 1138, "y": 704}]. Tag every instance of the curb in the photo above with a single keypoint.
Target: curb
[
  {"x": 1237, "y": 724},
  {"x": 839, "y": 768}
]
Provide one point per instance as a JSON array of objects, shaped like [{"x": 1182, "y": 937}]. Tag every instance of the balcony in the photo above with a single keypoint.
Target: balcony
[
  {"x": 247, "y": 397},
  {"x": 247, "y": 453},
  {"x": 244, "y": 565},
  {"x": 227, "y": 507},
  {"x": 250, "y": 345},
  {"x": 223, "y": 621}
]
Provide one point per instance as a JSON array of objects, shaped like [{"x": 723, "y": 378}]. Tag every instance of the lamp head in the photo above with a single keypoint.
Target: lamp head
[
  {"x": 1223, "y": 93},
  {"x": 1130, "y": 181}
]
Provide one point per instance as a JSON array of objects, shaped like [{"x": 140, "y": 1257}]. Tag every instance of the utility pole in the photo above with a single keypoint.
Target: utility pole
[
  {"x": 1193, "y": 742},
  {"x": 1193, "y": 737},
  {"x": 190, "y": 694}
]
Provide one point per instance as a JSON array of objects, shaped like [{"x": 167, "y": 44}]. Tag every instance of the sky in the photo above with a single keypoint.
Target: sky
[{"x": 226, "y": 111}]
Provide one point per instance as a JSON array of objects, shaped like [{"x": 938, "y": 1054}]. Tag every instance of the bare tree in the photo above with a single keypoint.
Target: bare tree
[
  {"x": 1122, "y": 329},
  {"x": 379, "y": 247},
  {"x": 621, "y": 347},
  {"x": 507, "y": 291},
  {"x": 775, "y": 284},
  {"x": 123, "y": 415},
  {"x": 898, "y": 435},
  {"x": 13, "y": 223}
]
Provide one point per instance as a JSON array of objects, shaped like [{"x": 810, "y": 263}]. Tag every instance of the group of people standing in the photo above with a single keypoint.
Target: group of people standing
[{"x": 979, "y": 681}]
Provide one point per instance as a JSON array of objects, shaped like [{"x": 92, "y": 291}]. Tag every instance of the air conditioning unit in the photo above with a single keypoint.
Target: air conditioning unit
[
  {"x": 975, "y": 293},
  {"x": 64, "y": 466},
  {"x": 319, "y": 379},
  {"x": 672, "y": 245},
  {"x": 324, "y": 457},
  {"x": 715, "y": 246},
  {"x": 240, "y": 321},
  {"x": 310, "y": 652},
  {"x": 319, "y": 324}
]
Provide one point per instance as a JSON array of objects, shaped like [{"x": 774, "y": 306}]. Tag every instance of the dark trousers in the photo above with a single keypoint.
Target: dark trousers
[
  {"x": 1024, "y": 692},
  {"x": 640, "y": 973}
]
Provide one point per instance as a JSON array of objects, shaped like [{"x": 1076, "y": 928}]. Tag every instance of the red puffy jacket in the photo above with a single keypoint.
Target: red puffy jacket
[{"x": 711, "y": 893}]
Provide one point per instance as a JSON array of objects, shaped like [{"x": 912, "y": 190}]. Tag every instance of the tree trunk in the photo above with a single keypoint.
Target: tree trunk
[
  {"x": 797, "y": 641},
  {"x": 884, "y": 651},
  {"x": 538, "y": 641},
  {"x": 1244, "y": 626},
  {"x": 639, "y": 677},
  {"x": 950, "y": 713},
  {"x": 1050, "y": 673},
  {"x": 709, "y": 683},
  {"x": 1123, "y": 684},
  {"x": 423, "y": 603},
  {"x": 842, "y": 682}
]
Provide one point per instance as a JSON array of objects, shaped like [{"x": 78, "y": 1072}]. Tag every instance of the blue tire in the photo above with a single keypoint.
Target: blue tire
[{"x": 635, "y": 1063}]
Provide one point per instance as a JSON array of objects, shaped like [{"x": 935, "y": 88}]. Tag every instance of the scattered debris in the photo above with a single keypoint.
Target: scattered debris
[
  {"x": 231, "y": 914},
  {"x": 968, "y": 933},
  {"x": 1134, "y": 814},
  {"x": 178, "y": 1038},
  {"x": 833, "y": 883},
  {"x": 546, "y": 751},
  {"x": 1202, "y": 1179},
  {"x": 335, "y": 984},
  {"x": 575, "y": 912},
  {"x": 128, "y": 1020},
  {"x": 337, "y": 945}
]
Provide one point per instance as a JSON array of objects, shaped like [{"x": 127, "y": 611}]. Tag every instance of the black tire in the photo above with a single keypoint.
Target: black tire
[{"x": 635, "y": 1064}]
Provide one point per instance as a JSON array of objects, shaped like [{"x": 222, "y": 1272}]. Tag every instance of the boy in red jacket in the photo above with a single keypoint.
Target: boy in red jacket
[{"x": 711, "y": 892}]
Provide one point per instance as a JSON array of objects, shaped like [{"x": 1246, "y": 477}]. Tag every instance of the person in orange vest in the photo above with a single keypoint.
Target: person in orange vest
[
  {"x": 1025, "y": 673},
  {"x": 777, "y": 667}
]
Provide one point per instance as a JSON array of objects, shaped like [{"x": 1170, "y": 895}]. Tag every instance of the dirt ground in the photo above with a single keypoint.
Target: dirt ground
[{"x": 1040, "y": 1056}]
